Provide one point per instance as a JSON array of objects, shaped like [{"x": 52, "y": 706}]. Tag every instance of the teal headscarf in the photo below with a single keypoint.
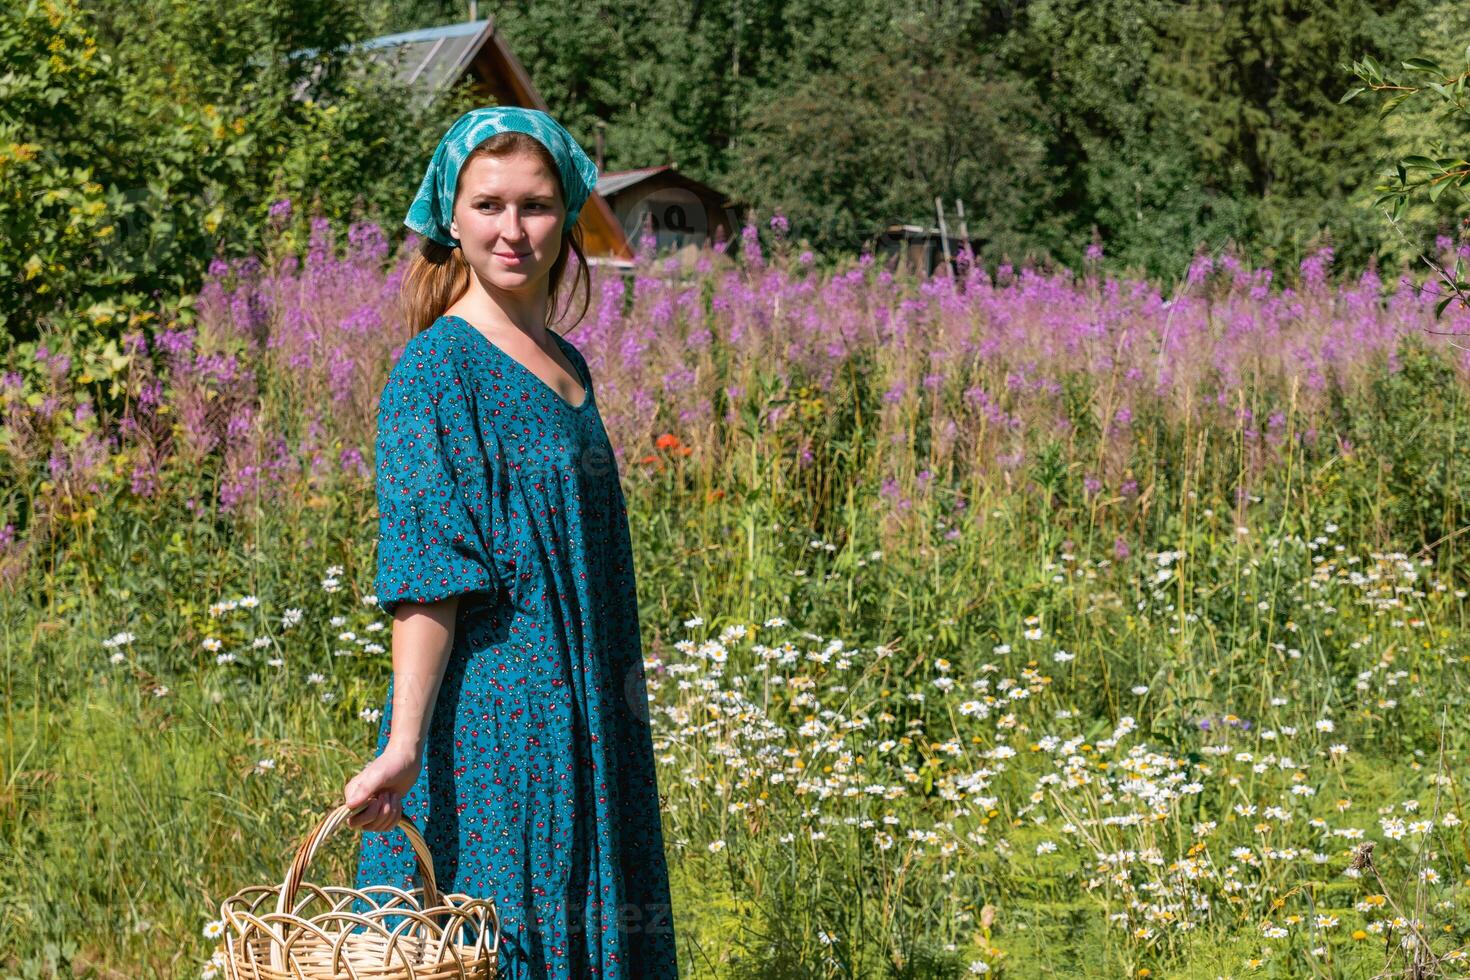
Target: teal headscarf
[{"x": 432, "y": 209}]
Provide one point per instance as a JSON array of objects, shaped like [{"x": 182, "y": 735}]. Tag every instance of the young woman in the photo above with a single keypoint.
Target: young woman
[{"x": 515, "y": 732}]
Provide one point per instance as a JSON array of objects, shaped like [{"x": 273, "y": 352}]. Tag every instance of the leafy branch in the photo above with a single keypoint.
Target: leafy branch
[{"x": 1417, "y": 175}]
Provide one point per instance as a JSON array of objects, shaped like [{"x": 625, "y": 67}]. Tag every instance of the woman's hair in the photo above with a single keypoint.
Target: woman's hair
[{"x": 438, "y": 275}]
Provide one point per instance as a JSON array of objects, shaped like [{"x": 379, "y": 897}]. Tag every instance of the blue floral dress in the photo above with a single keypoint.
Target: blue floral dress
[{"x": 538, "y": 787}]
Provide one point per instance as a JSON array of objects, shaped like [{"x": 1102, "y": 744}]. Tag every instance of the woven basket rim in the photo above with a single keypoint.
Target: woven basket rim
[{"x": 429, "y": 921}]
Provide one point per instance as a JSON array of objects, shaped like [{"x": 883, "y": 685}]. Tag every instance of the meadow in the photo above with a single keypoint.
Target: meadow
[{"x": 1014, "y": 622}]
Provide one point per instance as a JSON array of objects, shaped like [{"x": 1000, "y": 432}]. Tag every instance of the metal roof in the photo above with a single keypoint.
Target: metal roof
[
  {"x": 431, "y": 57},
  {"x": 459, "y": 29},
  {"x": 611, "y": 183}
]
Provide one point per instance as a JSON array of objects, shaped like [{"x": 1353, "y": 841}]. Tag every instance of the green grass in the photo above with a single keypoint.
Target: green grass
[{"x": 804, "y": 608}]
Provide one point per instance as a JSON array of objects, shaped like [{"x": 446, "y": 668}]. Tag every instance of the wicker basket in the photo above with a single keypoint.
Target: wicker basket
[{"x": 404, "y": 935}]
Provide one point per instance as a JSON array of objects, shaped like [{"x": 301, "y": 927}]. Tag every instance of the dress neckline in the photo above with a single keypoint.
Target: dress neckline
[{"x": 563, "y": 344}]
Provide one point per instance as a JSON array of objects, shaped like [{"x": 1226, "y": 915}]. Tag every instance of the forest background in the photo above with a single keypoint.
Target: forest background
[{"x": 139, "y": 141}]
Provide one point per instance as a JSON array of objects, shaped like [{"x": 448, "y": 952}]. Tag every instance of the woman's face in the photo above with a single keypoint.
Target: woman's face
[{"x": 508, "y": 216}]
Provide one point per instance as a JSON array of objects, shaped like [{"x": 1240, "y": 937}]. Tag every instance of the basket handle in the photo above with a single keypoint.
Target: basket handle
[{"x": 422, "y": 857}]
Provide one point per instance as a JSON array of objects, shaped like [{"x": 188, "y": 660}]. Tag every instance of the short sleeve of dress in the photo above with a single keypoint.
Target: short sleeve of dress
[{"x": 430, "y": 545}]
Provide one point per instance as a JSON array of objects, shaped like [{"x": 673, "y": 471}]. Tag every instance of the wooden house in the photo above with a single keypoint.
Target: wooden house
[{"x": 683, "y": 215}]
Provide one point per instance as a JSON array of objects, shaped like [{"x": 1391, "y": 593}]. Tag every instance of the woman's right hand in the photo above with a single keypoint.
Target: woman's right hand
[{"x": 382, "y": 784}]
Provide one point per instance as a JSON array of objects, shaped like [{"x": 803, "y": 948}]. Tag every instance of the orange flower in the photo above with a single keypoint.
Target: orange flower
[
  {"x": 667, "y": 441},
  {"x": 714, "y": 495},
  {"x": 650, "y": 458},
  {"x": 684, "y": 450}
]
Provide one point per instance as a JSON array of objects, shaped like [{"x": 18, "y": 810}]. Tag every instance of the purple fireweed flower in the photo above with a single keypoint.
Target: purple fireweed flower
[
  {"x": 351, "y": 460},
  {"x": 1314, "y": 267},
  {"x": 324, "y": 327},
  {"x": 1199, "y": 270},
  {"x": 143, "y": 481},
  {"x": 750, "y": 247}
]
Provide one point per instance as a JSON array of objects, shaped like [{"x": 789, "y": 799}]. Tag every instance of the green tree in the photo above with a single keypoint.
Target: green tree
[
  {"x": 851, "y": 151},
  {"x": 1260, "y": 87},
  {"x": 1119, "y": 151},
  {"x": 139, "y": 141}
]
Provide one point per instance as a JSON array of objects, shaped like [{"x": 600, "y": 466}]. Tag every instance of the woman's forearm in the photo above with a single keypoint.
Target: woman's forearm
[{"x": 423, "y": 634}]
